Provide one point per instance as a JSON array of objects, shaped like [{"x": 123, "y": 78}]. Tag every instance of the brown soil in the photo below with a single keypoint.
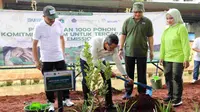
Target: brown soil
[{"x": 191, "y": 95}]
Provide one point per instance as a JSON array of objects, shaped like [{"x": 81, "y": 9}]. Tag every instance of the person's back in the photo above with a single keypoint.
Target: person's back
[{"x": 97, "y": 49}]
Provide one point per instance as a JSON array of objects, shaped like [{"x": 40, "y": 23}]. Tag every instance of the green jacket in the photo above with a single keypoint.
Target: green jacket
[{"x": 175, "y": 44}]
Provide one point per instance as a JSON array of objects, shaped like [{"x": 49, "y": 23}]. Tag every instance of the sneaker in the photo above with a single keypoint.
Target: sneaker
[
  {"x": 193, "y": 81},
  {"x": 126, "y": 96},
  {"x": 166, "y": 100},
  {"x": 176, "y": 103},
  {"x": 51, "y": 107},
  {"x": 68, "y": 102}
]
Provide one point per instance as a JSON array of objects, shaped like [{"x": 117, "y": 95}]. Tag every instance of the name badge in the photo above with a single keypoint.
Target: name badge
[{"x": 143, "y": 22}]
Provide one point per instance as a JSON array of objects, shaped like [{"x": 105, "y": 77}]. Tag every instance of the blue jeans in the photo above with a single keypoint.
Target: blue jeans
[{"x": 196, "y": 70}]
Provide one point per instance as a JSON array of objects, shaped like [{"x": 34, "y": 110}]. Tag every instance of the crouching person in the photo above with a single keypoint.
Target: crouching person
[{"x": 100, "y": 48}]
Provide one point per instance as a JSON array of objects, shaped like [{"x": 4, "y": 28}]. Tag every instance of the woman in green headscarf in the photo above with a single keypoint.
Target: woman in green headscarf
[{"x": 174, "y": 55}]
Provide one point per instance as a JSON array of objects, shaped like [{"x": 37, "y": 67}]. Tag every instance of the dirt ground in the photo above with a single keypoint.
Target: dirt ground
[{"x": 191, "y": 95}]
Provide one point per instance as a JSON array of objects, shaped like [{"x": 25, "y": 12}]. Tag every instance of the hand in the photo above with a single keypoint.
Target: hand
[
  {"x": 38, "y": 65},
  {"x": 161, "y": 62},
  {"x": 186, "y": 64},
  {"x": 113, "y": 75},
  {"x": 151, "y": 55},
  {"x": 120, "y": 54},
  {"x": 130, "y": 81}
]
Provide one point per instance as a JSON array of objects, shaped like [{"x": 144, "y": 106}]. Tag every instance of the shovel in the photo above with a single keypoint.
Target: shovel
[{"x": 149, "y": 88}]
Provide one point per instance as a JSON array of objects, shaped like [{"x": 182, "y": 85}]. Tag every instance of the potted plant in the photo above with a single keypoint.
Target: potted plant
[
  {"x": 36, "y": 107},
  {"x": 156, "y": 82}
]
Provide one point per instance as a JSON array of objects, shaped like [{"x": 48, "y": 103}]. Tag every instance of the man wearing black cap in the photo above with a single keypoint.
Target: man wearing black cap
[
  {"x": 49, "y": 34},
  {"x": 136, "y": 32}
]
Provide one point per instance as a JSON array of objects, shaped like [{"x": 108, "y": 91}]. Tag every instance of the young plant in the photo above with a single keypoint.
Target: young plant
[
  {"x": 119, "y": 109},
  {"x": 36, "y": 107},
  {"x": 160, "y": 107},
  {"x": 196, "y": 107},
  {"x": 97, "y": 87}
]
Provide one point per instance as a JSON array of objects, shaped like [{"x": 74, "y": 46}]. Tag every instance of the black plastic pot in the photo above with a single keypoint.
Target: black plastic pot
[{"x": 156, "y": 84}]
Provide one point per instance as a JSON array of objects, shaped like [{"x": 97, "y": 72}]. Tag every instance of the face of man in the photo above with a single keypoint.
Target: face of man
[
  {"x": 170, "y": 19},
  {"x": 138, "y": 15},
  {"x": 110, "y": 47},
  {"x": 48, "y": 20}
]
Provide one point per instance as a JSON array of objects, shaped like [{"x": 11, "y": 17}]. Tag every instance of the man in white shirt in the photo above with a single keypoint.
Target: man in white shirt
[
  {"x": 101, "y": 48},
  {"x": 196, "y": 48},
  {"x": 49, "y": 34}
]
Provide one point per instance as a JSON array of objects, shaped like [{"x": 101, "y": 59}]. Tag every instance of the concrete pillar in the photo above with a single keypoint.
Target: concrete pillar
[{"x": 1, "y": 4}]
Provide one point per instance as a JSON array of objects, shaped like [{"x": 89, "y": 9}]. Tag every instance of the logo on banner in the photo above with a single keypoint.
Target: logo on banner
[
  {"x": 103, "y": 20},
  {"x": 74, "y": 20},
  {"x": 62, "y": 20},
  {"x": 34, "y": 19}
]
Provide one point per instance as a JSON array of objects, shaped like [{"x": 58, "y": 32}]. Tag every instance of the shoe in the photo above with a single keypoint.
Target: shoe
[
  {"x": 68, "y": 103},
  {"x": 51, "y": 107},
  {"x": 126, "y": 96},
  {"x": 193, "y": 81},
  {"x": 176, "y": 103},
  {"x": 166, "y": 100}
]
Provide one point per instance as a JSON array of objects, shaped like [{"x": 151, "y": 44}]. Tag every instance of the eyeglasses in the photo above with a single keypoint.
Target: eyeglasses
[{"x": 170, "y": 18}]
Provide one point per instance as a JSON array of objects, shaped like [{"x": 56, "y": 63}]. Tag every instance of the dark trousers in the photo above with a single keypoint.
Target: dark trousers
[
  {"x": 86, "y": 91},
  {"x": 141, "y": 71},
  {"x": 173, "y": 76},
  {"x": 50, "y": 66}
]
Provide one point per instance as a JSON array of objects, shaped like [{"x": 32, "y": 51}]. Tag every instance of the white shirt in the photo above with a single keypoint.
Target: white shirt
[
  {"x": 196, "y": 44},
  {"x": 98, "y": 52},
  {"x": 49, "y": 41}
]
